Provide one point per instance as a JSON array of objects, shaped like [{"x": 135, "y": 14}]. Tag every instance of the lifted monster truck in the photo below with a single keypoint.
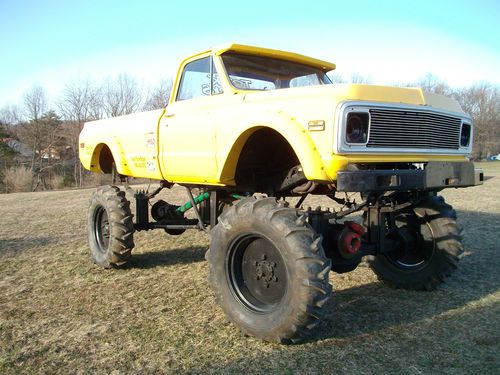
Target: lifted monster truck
[{"x": 251, "y": 128}]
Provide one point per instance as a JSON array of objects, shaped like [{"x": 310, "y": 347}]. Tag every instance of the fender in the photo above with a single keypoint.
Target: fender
[
  {"x": 291, "y": 130},
  {"x": 116, "y": 149}
]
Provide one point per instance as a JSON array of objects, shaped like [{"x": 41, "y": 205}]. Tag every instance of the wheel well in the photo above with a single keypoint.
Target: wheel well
[
  {"x": 106, "y": 160},
  {"x": 265, "y": 155}
]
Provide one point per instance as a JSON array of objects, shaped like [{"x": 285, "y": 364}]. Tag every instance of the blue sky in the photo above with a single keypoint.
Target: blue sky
[{"x": 53, "y": 42}]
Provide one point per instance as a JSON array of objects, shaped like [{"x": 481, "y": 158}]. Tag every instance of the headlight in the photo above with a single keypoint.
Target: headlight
[
  {"x": 465, "y": 135},
  {"x": 356, "y": 130}
]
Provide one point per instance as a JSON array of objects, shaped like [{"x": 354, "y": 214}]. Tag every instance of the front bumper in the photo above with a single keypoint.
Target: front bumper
[{"x": 436, "y": 175}]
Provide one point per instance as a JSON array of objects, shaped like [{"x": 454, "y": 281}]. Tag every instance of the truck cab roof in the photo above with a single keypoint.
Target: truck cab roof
[{"x": 274, "y": 53}]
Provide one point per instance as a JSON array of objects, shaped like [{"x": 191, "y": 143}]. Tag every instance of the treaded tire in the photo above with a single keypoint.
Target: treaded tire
[
  {"x": 301, "y": 259},
  {"x": 441, "y": 236},
  {"x": 110, "y": 227}
]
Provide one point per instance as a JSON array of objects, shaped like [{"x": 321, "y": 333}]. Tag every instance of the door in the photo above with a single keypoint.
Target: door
[{"x": 187, "y": 128}]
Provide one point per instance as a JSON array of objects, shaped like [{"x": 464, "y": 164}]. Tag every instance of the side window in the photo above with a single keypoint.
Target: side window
[{"x": 195, "y": 80}]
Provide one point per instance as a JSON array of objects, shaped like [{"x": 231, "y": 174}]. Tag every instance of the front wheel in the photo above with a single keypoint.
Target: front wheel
[
  {"x": 427, "y": 246},
  {"x": 110, "y": 227},
  {"x": 268, "y": 270}
]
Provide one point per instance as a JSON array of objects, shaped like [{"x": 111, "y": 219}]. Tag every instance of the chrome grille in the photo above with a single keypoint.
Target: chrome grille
[{"x": 390, "y": 128}]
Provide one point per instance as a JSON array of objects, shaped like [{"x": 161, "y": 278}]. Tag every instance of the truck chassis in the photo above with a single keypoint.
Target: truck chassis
[{"x": 269, "y": 262}]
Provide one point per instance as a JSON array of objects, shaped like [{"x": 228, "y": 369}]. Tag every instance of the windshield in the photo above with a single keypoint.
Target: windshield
[{"x": 250, "y": 72}]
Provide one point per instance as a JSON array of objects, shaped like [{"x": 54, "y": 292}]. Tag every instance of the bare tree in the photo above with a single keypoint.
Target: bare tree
[
  {"x": 433, "y": 84},
  {"x": 10, "y": 115},
  {"x": 336, "y": 77},
  {"x": 159, "y": 96},
  {"x": 482, "y": 102},
  {"x": 45, "y": 136},
  {"x": 120, "y": 96},
  {"x": 35, "y": 104},
  {"x": 359, "y": 78},
  {"x": 80, "y": 102}
]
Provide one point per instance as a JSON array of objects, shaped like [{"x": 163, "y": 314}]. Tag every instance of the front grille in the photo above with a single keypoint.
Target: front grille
[{"x": 413, "y": 129}]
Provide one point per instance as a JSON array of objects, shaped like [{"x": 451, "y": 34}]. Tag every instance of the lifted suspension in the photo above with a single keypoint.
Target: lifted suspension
[
  {"x": 346, "y": 242},
  {"x": 171, "y": 217}
]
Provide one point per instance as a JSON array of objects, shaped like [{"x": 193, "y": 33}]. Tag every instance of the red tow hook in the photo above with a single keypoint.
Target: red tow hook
[{"x": 349, "y": 240}]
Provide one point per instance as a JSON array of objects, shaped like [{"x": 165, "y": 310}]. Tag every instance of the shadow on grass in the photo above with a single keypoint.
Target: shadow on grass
[
  {"x": 367, "y": 308},
  {"x": 15, "y": 245},
  {"x": 164, "y": 258}
]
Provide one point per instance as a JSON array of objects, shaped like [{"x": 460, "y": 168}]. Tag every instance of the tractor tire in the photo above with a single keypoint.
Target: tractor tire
[
  {"x": 430, "y": 247},
  {"x": 110, "y": 227},
  {"x": 268, "y": 270}
]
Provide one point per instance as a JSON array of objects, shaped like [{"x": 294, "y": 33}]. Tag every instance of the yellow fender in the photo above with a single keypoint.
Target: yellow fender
[
  {"x": 113, "y": 143},
  {"x": 292, "y": 131}
]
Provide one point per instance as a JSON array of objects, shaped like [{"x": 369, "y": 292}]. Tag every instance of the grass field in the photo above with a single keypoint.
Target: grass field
[{"x": 61, "y": 314}]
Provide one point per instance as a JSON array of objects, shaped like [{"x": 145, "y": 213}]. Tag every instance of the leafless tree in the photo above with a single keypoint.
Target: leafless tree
[
  {"x": 80, "y": 102},
  {"x": 44, "y": 134},
  {"x": 432, "y": 83},
  {"x": 482, "y": 102},
  {"x": 10, "y": 115},
  {"x": 35, "y": 104},
  {"x": 336, "y": 77},
  {"x": 359, "y": 78},
  {"x": 120, "y": 96},
  {"x": 158, "y": 97}
]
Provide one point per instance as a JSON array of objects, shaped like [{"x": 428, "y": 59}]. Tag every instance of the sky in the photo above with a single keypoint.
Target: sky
[{"x": 53, "y": 43}]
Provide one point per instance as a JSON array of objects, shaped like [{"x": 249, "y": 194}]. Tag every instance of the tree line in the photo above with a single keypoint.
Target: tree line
[
  {"x": 46, "y": 135},
  {"x": 39, "y": 148}
]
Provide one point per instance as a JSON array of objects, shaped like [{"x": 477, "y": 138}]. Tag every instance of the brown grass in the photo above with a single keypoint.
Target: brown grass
[
  {"x": 17, "y": 179},
  {"x": 61, "y": 314}
]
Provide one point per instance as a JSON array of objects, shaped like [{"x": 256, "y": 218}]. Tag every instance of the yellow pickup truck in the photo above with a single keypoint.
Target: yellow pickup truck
[{"x": 254, "y": 129}]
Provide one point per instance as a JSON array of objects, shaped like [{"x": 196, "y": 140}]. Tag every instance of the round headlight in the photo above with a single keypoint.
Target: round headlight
[{"x": 357, "y": 128}]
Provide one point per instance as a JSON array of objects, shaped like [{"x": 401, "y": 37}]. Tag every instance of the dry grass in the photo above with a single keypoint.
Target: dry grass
[
  {"x": 61, "y": 314},
  {"x": 17, "y": 179}
]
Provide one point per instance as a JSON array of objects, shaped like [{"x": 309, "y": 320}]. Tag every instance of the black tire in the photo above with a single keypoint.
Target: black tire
[
  {"x": 268, "y": 270},
  {"x": 430, "y": 247},
  {"x": 110, "y": 227}
]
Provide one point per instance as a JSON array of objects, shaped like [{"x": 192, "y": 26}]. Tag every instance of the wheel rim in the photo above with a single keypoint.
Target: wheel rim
[
  {"x": 414, "y": 242},
  {"x": 101, "y": 229},
  {"x": 256, "y": 273}
]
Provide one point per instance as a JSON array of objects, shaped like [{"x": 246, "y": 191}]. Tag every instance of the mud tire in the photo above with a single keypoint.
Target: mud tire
[
  {"x": 269, "y": 227},
  {"x": 441, "y": 239},
  {"x": 110, "y": 227}
]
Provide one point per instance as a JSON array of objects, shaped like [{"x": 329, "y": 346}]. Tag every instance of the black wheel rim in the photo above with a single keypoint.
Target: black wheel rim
[
  {"x": 256, "y": 273},
  {"x": 414, "y": 241},
  {"x": 101, "y": 229}
]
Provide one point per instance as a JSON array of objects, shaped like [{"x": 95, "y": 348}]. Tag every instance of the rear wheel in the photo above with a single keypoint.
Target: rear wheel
[
  {"x": 110, "y": 227},
  {"x": 428, "y": 246},
  {"x": 268, "y": 270}
]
